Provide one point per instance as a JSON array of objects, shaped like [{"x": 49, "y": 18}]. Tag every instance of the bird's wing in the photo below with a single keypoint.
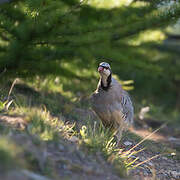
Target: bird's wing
[{"x": 127, "y": 108}]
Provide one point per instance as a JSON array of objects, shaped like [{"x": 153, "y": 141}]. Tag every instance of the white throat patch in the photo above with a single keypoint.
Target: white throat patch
[
  {"x": 104, "y": 75},
  {"x": 104, "y": 80}
]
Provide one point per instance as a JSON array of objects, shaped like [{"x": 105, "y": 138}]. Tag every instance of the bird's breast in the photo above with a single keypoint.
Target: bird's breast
[{"x": 107, "y": 108}]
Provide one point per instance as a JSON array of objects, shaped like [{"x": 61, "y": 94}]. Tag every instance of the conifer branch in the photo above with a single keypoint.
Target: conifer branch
[{"x": 4, "y": 37}]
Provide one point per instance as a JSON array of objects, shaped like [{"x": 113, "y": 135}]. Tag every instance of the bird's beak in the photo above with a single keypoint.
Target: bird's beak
[{"x": 100, "y": 69}]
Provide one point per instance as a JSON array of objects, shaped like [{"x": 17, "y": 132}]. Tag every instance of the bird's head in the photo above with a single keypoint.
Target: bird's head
[{"x": 104, "y": 69}]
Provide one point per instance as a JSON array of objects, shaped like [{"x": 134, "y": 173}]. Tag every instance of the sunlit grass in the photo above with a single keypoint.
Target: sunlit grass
[
  {"x": 42, "y": 124},
  {"x": 70, "y": 88},
  {"x": 96, "y": 138},
  {"x": 99, "y": 139}
]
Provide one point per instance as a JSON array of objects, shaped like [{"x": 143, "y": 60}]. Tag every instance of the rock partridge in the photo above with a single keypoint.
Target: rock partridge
[{"x": 111, "y": 103}]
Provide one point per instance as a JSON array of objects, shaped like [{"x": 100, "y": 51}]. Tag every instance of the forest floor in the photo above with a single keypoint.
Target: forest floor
[
  {"x": 71, "y": 162},
  {"x": 31, "y": 149}
]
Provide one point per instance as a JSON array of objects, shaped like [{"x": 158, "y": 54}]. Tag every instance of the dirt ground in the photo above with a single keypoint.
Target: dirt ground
[{"x": 71, "y": 162}]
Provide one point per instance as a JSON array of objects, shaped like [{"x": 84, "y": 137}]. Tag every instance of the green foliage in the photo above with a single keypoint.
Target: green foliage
[
  {"x": 5, "y": 105},
  {"x": 99, "y": 139},
  {"x": 2, "y": 105},
  {"x": 41, "y": 124},
  {"x": 69, "y": 38}
]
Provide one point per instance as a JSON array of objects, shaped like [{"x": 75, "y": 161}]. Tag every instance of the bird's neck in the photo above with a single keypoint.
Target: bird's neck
[{"x": 105, "y": 82}]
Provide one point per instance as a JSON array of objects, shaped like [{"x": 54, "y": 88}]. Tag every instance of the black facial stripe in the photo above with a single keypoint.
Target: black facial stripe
[{"x": 105, "y": 67}]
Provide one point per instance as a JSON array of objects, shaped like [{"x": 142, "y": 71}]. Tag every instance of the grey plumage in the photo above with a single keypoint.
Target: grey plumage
[{"x": 111, "y": 103}]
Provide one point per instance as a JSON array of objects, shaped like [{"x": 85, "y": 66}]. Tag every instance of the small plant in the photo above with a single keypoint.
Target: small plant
[
  {"x": 100, "y": 139},
  {"x": 5, "y": 105},
  {"x": 97, "y": 138},
  {"x": 2, "y": 105}
]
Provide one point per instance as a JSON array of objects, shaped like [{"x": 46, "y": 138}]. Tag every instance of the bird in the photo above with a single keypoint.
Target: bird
[{"x": 111, "y": 102}]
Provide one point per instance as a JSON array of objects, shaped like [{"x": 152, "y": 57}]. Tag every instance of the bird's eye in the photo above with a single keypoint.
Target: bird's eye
[{"x": 105, "y": 67}]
